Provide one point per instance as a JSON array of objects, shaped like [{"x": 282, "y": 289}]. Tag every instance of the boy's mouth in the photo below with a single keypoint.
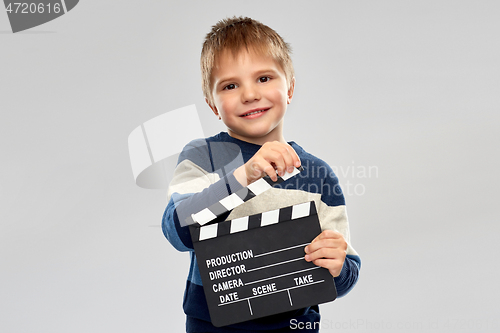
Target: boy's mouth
[{"x": 255, "y": 112}]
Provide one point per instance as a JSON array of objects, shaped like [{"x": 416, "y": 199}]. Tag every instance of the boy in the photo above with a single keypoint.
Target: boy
[{"x": 248, "y": 80}]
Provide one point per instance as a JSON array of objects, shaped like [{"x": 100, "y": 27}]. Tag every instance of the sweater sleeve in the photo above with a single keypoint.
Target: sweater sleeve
[
  {"x": 333, "y": 216},
  {"x": 194, "y": 186}
]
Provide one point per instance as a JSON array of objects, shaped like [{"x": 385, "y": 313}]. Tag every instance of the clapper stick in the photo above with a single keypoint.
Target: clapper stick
[{"x": 237, "y": 198}]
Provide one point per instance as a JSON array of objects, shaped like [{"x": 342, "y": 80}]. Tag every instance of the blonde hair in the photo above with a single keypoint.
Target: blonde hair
[{"x": 234, "y": 35}]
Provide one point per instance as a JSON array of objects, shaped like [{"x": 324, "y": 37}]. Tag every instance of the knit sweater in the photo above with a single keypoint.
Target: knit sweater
[{"x": 204, "y": 175}]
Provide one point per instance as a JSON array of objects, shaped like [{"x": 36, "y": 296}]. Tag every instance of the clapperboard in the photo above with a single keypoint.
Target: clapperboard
[{"x": 254, "y": 266}]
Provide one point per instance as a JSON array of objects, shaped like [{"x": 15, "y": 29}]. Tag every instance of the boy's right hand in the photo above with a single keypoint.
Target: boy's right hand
[{"x": 272, "y": 157}]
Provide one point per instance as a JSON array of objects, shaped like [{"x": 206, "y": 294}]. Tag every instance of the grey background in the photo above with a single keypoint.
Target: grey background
[{"x": 410, "y": 88}]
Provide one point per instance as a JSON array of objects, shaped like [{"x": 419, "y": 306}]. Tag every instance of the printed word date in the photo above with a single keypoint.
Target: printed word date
[{"x": 228, "y": 298}]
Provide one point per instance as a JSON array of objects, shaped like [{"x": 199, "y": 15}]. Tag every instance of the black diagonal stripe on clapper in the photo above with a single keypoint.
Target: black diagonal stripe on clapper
[
  {"x": 218, "y": 209},
  {"x": 224, "y": 228},
  {"x": 312, "y": 208},
  {"x": 245, "y": 194},
  {"x": 285, "y": 214},
  {"x": 254, "y": 221},
  {"x": 271, "y": 182}
]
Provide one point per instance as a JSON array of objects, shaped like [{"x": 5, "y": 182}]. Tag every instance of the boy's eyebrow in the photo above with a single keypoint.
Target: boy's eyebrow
[
  {"x": 224, "y": 81},
  {"x": 264, "y": 71}
]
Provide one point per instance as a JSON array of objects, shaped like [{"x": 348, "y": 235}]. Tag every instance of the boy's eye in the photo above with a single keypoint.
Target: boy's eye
[
  {"x": 264, "y": 79},
  {"x": 230, "y": 86}
]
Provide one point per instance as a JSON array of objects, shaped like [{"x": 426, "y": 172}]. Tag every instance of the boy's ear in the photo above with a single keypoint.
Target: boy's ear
[
  {"x": 290, "y": 90},
  {"x": 213, "y": 107}
]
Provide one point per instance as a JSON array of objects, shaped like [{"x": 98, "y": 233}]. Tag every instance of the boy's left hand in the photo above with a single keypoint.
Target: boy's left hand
[{"x": 328, "y": 250}]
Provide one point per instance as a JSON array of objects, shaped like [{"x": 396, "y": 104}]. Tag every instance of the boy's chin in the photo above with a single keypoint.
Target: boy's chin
[{"x": 257, "y": 137}]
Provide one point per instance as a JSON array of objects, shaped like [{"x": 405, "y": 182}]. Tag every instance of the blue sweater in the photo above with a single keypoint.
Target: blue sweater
[{"x": 204, "y": 175}]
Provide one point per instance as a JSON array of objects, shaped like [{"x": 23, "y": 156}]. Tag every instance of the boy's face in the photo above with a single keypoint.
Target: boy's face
[{"x": 250, "y": 94}]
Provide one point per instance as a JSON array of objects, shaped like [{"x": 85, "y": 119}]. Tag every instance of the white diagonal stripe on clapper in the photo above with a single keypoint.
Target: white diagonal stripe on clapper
[
  {"x": 301, "y": 210},
  {"x": 240, "y": 224},
  {"x": 231, "y": 201},
  {"x": 288, "y": 175},
  {"x": 208, "y": 231},
  {"x": 270, "y": 217},
  {"x": 204, "y": 216},
  {"x": 259, "y": 186}
]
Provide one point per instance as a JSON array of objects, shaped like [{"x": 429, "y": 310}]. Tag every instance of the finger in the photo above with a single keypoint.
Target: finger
[
  {"x": 258, "y": 168},
  {"x": 276, "y": 158},
  {"x": 326, "y": 243},
  {"x": 333, "y": 266},
  {"x": 271, "y": 172},
  {"x": 255, "y": 170},
  {"x": 286, "y": 152},
  {"x": 327, "y": 253},
  {"x": 295, "y": 158},
  {"x": 328, "y": 234},
  {"x": 320, "y": 254}
]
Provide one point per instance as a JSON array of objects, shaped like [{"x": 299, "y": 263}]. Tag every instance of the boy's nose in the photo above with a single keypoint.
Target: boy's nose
[{"x": 250, "y": 93}]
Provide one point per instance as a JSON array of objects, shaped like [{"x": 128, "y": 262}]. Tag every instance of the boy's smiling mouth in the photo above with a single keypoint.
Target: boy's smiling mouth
[{"x": 254, "y": 113}]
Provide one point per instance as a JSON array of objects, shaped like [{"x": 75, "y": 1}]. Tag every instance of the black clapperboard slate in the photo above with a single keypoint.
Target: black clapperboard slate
[{"x": 254, "y": 266}]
